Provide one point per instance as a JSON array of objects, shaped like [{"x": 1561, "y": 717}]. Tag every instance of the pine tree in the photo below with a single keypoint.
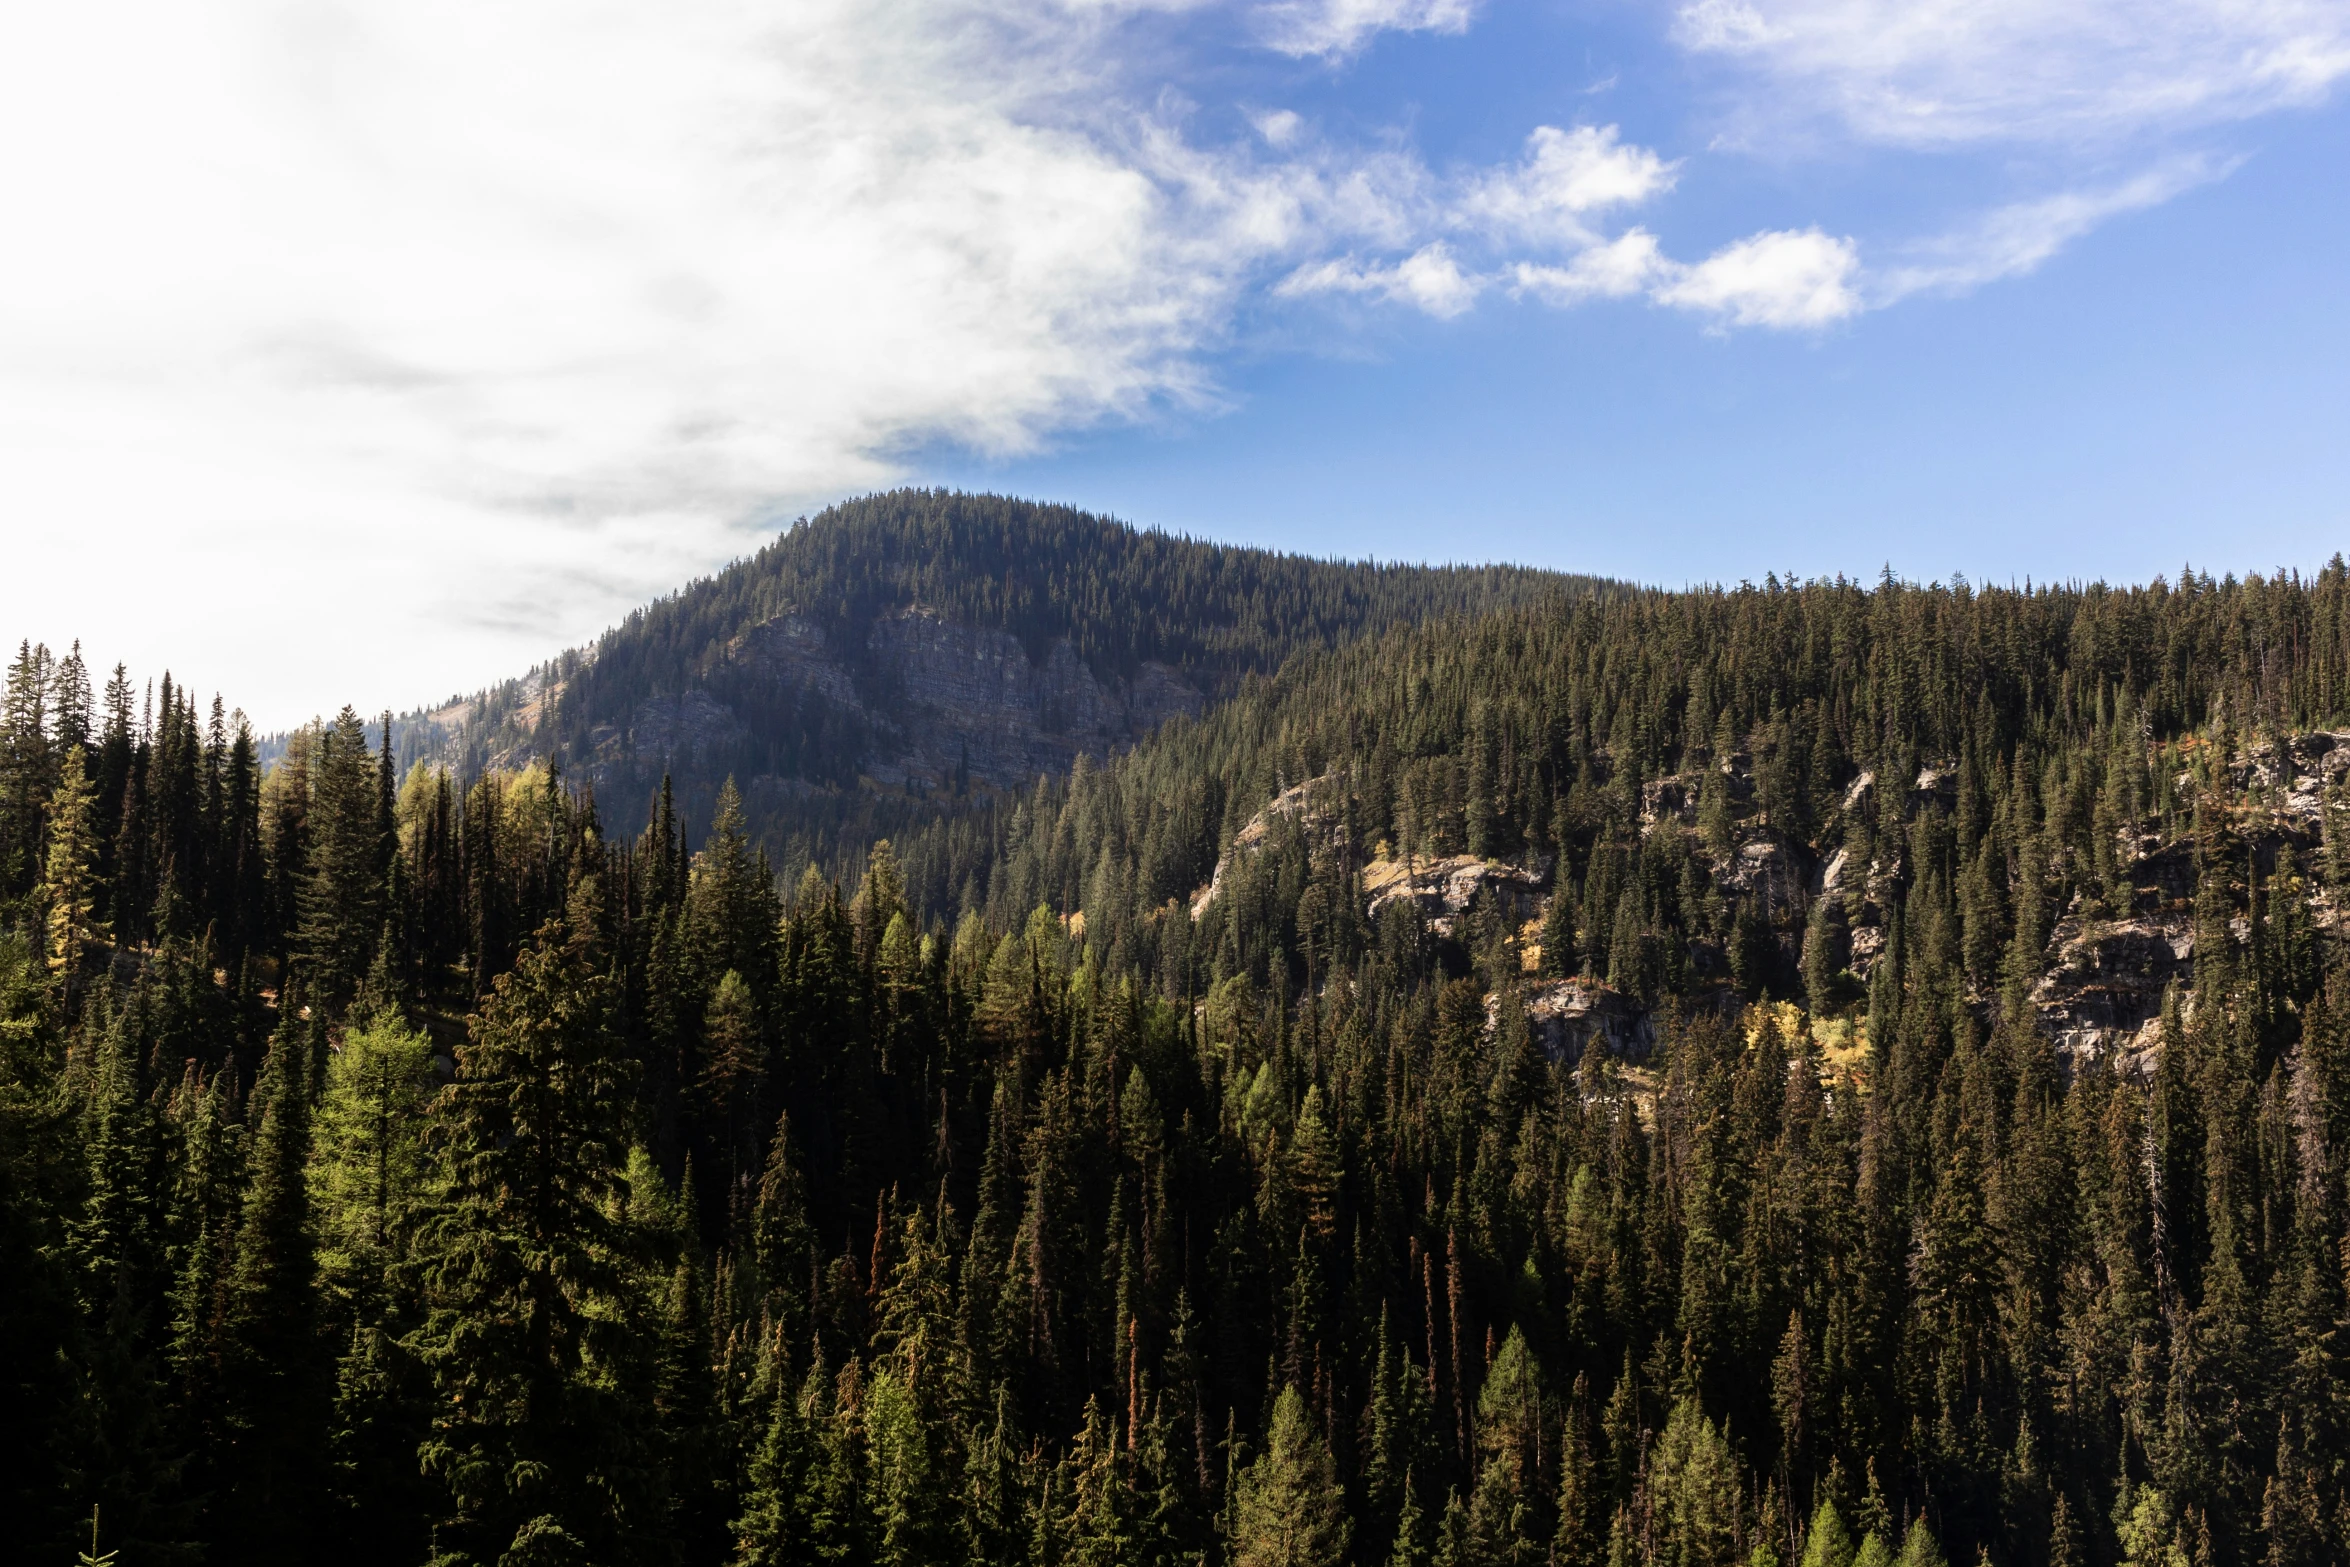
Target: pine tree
[
  {"x": 70, "y": 886},
  {"x": 371, "y": 1170},
  {"x": 341, "y": 900},
  {"x": 775, "y": 1528},
  {"x": 1826, "y": 946},
  {"x": 1694, "y": 1491},
  {"x": 730, "y": 904},
  {"x": 533, "y": 1335},
  {"x": 274, "y": 1376},
  {"x": 26, "y": 766},
  {"x": 1918, "y": 1548},
  {"x": 1505, "y": 1504},
  {"x": 1827, "y": 1543},
  {"x": 131, "y": 1460},
  {"x": 733, "y": 1070},
  {"x": 1559, "y": 957},
  {"x": 1289, "y": 1511}
]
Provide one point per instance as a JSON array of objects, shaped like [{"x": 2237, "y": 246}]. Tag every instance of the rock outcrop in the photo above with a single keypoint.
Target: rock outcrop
[
  {"x": 1566, "y": 1017},
  {"x": 936, "y": 701},
  {"x": 1780, "y": 870},
  {"x": 2103, "y": 993},
  {"x": 1315, "y": 802},
  {"x": 1443, "y": 889}
]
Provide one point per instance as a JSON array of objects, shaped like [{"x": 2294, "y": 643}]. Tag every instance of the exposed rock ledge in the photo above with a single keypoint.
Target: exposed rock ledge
[
  {"x": 1566, "y": 1017},
  {"x": 1443, "y": 889}
]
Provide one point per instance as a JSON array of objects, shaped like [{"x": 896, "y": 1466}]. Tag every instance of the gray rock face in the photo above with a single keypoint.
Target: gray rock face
[
  {"x": 974, "y": 699},
  {"x": 1569, "y": 1016},
  {"x": 1668, "y": 802},
  {"x": 791, "y": 650},
  {"x": 2105, "y": 987},
  {"x": 939, "y": 699},
  {"x": 1778, "y": 869},
  {"x": 685, "y": 727},
  {"x": 1443, "y": 889}
]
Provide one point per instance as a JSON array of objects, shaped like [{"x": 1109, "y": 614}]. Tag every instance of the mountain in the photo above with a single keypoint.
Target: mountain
[
  {"x": 897, "y": 653},
  {"x": 1818, "y": 1072}
]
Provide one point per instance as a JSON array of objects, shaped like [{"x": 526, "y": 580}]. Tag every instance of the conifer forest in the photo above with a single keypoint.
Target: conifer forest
[{"x": 1521, "y": 1070}]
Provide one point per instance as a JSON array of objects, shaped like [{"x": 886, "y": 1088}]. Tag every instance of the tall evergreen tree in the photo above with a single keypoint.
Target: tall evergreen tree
[
  {"x": 533, "y": 1334},
  {"x": 70, "y": 883},
  {"x": 275, "y": 1365},
  {"x": 341, "y": 902}
]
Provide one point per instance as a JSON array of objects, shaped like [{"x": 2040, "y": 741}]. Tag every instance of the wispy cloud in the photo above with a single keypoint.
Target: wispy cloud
[
  {"x": 1429, "y": 279},
  {"x": 1939, "y": 73},
  {"x": 1336, "y": 28},
  {"x": 2085, "y": 85},
  {"x": 2014, "y": 239}
]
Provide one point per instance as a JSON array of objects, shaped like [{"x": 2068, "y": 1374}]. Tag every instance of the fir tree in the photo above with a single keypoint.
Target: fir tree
[
  {"x": 69, "y": 886},
  {"x": 532, "y": 1333},
  {"x": 1288, "y": 1510},
  {"x": 342, "y": 878},
  {"x": 274, "y": 1372}
]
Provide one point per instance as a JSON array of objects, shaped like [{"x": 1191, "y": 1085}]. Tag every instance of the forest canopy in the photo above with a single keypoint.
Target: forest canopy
[{"x": 1821, "y": 1073}]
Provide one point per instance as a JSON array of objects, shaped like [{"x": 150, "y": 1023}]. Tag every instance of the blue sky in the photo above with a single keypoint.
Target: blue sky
[
  {"x": 2170, "y": 387},
  {"x": 370, "y": 351}
]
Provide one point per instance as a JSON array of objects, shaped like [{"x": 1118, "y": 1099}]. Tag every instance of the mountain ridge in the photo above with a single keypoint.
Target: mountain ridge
[{"x": 906, "y": 648}]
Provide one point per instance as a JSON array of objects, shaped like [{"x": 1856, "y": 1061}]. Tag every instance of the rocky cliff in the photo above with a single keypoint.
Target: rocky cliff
[
  {"x": 936, "y": 703},
  {"x": 2106, "y": 969}
]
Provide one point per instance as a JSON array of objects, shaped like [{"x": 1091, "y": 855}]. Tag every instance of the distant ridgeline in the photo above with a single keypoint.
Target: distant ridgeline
[
  {"x": 1337, "y": 1066},
  {"x": 884, "y": 662}
]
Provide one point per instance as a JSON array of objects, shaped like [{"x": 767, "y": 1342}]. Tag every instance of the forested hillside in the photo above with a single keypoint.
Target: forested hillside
[
  {"x": 1815, "y": 1073},
  {"x": 900, "y": 657}
]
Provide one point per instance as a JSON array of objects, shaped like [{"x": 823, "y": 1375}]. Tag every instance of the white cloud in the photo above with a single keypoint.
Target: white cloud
[
  {"x": 1940, "y": 73},
  {"x": 2017, "y": 238},
  {"x": 1787, "y": 278},
  {"x": 1279, "y": 127},
  {"x": 2085, "y": 85},
  {"x": 1565, "y": 178},
  {"x": 1629, "y": 264},
  {"x": 1550, "y": 202},
  {"x": 1341, "y": 27},
  {"x": 1429, "y": 279}
]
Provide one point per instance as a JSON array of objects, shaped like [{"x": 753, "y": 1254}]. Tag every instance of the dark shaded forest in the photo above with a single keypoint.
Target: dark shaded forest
[{"x": 1630, "y": 1079}]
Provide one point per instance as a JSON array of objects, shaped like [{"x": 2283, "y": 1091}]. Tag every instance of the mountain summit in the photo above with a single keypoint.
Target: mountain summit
[{"x": 912, "y": 647}]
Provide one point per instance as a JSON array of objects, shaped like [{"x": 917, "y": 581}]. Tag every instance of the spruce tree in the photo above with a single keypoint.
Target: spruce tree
[
  {"x": 340, "y": 899},
  {"x": 275, "y": 1381},
  {"x": 26, "y": 766},
  {"x": 1827, "y": 1543},
  {"x": 1288, "y": 1510},
  {"x": 1559, "y": 957},
  {"x": 69, "y": 885},
  {"x": 533, "y": 1335}
]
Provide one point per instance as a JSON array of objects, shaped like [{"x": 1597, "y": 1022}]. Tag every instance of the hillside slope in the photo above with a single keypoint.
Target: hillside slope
[
  {"x": 1708, "y": 796},
  {"x": 912, "y": 647}
]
